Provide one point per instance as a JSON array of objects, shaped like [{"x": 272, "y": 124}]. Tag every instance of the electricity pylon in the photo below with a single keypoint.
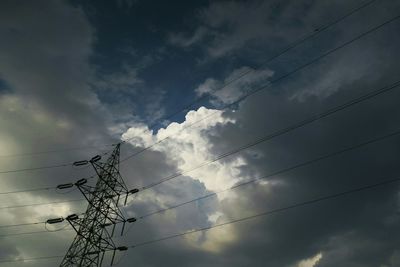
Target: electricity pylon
[{"x": 98, "y": 224}]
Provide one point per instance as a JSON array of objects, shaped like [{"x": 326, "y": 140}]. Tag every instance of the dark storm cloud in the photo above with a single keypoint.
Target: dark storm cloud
[
  {"x": 358, "y": 230},
  {"x": 286, "y": 238},
  {"x": 228, "y": 26},
  {"x": 44, "y": 60},
  {"x": 47, "y": 68}
]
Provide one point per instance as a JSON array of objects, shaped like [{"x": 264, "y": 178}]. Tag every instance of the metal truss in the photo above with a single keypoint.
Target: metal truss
[{"x": 98, "y": 225}]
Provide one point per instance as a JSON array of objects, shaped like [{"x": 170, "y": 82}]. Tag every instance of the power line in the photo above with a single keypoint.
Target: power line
[
  {"x": 300, "y": 124},
  {"x": 54, "y": 166},
  {"x": 253, "y": 180},
  {"x": 42, "y": 167},
  {"x": 41, "y": 204},
  {"x": 269, "y": 84},
  {"x": 26, "y": 154},
  {"x": 26, "y": 224},
  {"x": 291, "y": 46},
  {"x": 280, "y": 132},
  {"x": 257, "y": 215},
  {"x": 27, "y": 190},
  {"x": 31, "y": 259},
  {"x": 280, "y": 53},
  {"x": 35, "y": 232},
  {"x": 281, "y": 171},
  {"x": 34, "y": 189},
  {"x": 238, "y": 100},
  {"x": 37, "y": 168},
  {"x": 21, "y": 224},
  {"x": 269, "y": 212}
]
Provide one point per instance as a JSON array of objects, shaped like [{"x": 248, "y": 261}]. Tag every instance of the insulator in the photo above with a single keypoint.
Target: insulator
[
  {"x": 72, "y": 217},
  {"x": 123, "y": 248},
  {"x": 134, "y": 191},
  {"x": 131, "y": 220},
  {"x": 65, "y": 186},
  {"x": 81, "y": 182},
  {"x": 56, "y": 220},
  {"x": 95, "y": 158},
  {"x": 80, "y": 163}
]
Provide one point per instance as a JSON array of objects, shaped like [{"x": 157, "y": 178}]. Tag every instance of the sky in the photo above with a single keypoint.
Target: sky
[{"x": 206, "y": 89}]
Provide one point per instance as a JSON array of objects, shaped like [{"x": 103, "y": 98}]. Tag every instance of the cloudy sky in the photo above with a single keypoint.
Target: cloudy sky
[{"x": 172, "y": 78}]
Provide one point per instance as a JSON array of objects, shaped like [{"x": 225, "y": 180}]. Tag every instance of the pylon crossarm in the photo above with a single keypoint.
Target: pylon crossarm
[{"x": 96, "y": 228}]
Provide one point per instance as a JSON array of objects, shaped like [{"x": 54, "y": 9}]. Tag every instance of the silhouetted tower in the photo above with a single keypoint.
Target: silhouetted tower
[{"x": 97, "y": 226}]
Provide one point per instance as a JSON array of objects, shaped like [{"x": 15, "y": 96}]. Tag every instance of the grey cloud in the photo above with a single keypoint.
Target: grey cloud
[
  {"x": 302, "y": 233},
  {"x": 357, "y": 230},
  {"x": 230, "y": 25},
  {"x": 44, "y": 55},
  {"x": 249, "y": 28},
  {"x": 186, "y": 41},
  {"x": 240, "y": 82},
  {"x": 46, "y": 64}
]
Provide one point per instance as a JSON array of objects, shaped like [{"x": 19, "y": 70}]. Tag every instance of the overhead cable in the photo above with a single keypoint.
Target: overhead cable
[
  {"x": 259, "y": 89},
  {"x": 35, "y": 232},
  {"x": 41, "y": 204},
  {"x": 241, "y": 98},
  {"x": 297, "y": 125},
  {"x": 26, "y": 154},
  {"x": 280, "y": 132},
  {"x": 281, "y": 171},
  {"x": 273, "y": 211},
  {"x": 291, "y": 46},
  {"x": 21, "y": 224},
  {"x": 242, "y": 219}
]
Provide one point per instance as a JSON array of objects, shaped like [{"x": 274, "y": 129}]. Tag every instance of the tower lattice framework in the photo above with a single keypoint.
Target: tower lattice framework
[{"x": 98, "y": 224}]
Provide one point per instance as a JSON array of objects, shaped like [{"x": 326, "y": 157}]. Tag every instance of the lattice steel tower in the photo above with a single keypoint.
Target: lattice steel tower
[{"x": 98, "y": 224}]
